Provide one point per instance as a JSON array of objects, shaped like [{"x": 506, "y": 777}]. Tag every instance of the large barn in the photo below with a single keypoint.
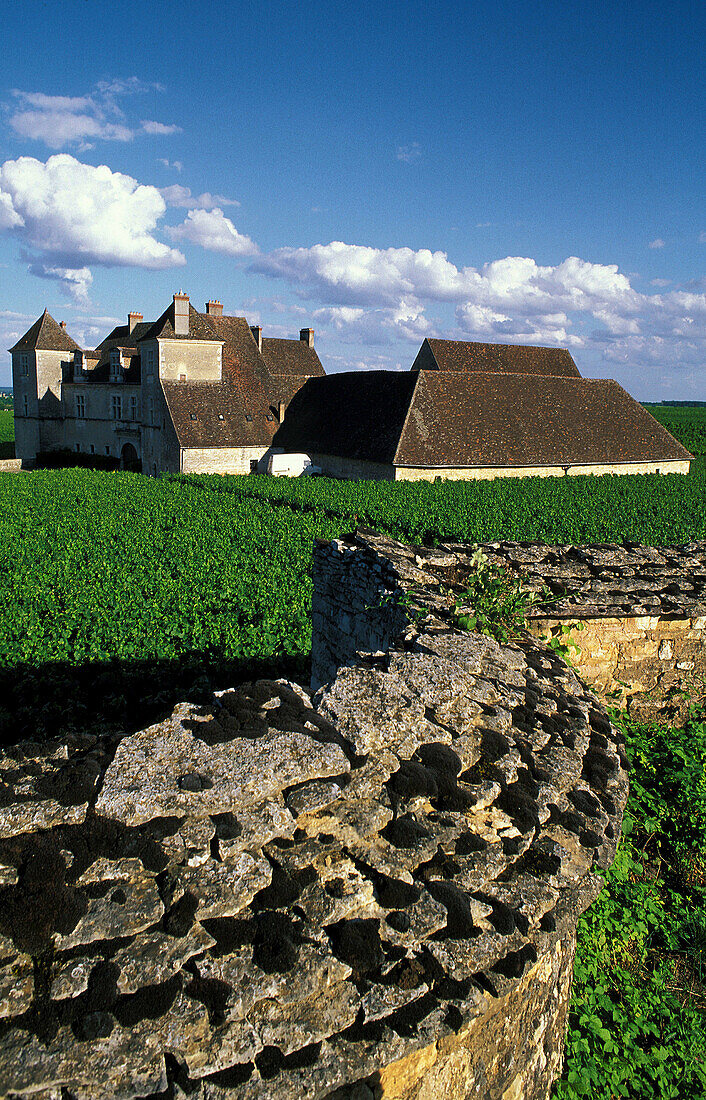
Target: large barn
[{"x": 470, "y": 410}]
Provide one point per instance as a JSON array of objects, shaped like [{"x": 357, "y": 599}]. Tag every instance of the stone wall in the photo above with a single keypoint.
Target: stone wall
[
  {"x": 489, "y": 473},
  {"x": 220, "y": 460},
  {"x": 640, "y": 615},
  {"x": 367, "y": 893}
]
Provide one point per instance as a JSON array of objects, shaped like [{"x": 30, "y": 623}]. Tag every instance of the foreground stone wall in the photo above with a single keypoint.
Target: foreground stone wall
[{"x": 368, "y": 893}]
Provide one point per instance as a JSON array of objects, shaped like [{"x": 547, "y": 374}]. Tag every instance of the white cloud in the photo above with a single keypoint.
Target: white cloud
[
  {"x": 75, "y": 281},
  {"x": 60, "y": 121},
  {"x": 75, "y": 215},
  {"x": 212, "y": 230},
  {"x": 381, "y": 294},
  {"x": 149, "y": 127},
  {"x": 166, "y": 163},
  {"x": 408, "y": 153},
  {"x": 702, "y": 238},
  {"x": 657, "y": 243},
  {"x": 660, "y": 282},
  {"x": 176, "y": 195}
]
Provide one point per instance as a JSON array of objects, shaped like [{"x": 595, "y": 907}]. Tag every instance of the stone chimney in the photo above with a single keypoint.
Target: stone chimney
[
  {"x": 181, "y": 314},
  {"x": 132, "y": 320},
  {"x": 307, "y": 336},
  {"x": 62, "y": 326},
  {"x": 214, "y": 309},
  {"x": 257, "y": 333}
]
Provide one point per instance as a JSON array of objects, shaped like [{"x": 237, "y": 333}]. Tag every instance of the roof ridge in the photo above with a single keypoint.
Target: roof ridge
[{"x": 410, "y": 403}]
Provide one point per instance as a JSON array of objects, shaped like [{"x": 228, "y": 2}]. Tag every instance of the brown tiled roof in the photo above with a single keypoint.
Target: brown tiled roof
[
  {"x": 291, "y": 357},
  {"x": 240, "y": 353},
  {"x": 196, "y": 410},
  {"x": 45, "y": 335},
  {"x": 486, "y": 419},
  {"x": 200, "y": 326},
  {"x": 121, "y": 337},
  {"x": 463, "y": 355},
  {"x": 357, "y": 414}
]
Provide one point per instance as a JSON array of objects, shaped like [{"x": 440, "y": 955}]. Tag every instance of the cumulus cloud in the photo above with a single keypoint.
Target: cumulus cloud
[
  {"x": 176, "y": 195},
  {"x": 382, "y": 294},
  {"x": 61, "y": 121},
  {"x": 212, "y": 230},
  {"x": 408, "y": 153},
  {"x": 166, "y": 163},
  {"x": 75, "y": 215},
  {"x": 657, "y": 243}
]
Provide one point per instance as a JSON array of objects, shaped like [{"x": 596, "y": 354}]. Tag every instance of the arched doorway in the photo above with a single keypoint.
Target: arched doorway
[{"x": 129, "y": 459}]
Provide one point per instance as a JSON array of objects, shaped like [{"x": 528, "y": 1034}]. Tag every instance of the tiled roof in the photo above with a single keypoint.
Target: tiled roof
[
  {"x": 485, "y": 419},
  {"x": 357, "y": 414},
  {"x": 442, "y": 418},
  {"x": 200, "y": 326},
  {"x": 45, "y": 335},
  {"x": 463, "y": 355},
  {"x": 291, "y": 357},
  {"x": 121, "y": 337},
  {"x": 213, "y": 414}
]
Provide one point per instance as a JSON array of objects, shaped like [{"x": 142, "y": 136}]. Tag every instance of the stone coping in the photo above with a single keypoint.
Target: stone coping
[{"x": 278, "y": 895}]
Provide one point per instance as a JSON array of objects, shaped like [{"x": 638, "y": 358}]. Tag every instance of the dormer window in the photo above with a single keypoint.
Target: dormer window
[
  {"x": 221, "y": 416},
  {"x": 78, "y": 365},
  {"x": 248, "y": 418},
  {"x": 115, "y": 366}
]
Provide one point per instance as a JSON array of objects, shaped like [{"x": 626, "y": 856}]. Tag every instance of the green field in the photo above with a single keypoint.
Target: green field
[
  {"x": 686, "y": 423},
  {"x": 7, "y": 433}
]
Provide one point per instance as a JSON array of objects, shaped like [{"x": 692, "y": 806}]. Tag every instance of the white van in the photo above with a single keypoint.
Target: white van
[{"x": 291, "y": 465}]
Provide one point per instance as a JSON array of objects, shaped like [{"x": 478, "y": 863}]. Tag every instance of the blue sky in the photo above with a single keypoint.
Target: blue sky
[{"x": 503, "y": 172}]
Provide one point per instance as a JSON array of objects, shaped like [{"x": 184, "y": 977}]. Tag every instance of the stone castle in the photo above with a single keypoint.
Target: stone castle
[{"x": 204, "y": 392}]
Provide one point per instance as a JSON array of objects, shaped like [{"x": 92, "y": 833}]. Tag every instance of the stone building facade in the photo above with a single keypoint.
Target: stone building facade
[{"x": 189, "y": 392}]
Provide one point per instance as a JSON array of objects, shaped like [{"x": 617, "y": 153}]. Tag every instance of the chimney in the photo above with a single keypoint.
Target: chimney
[
  {"x": 181, "y": 314},
  {"x": 257, "y": 333},
  {"x": 307, "y": 336},
  {"x": 280, "y": 411},
  {"x": 132, "y": 320},
  {"x": 62, "y": 326},
  {"x": 214, "y": 309}
]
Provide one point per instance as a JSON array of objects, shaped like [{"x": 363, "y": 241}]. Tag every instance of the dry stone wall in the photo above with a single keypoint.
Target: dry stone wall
[{"x": 371, "y": 892}]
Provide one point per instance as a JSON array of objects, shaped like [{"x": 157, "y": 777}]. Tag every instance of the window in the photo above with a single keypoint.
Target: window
[
  {"x": 107, "y": 449},
  {"x": 133, "y": 408},
  {"x": 193, "y": 416},
  {"x": 25, "y": 406},
  {"x": 248, "y": 418},
  {"x": 151, "y": 407},
  {"x": 80, "y": 405},
  {"x": 93, "y": 449},
  {"x": 78, "y": 447},
  {"x": 117, "y": 407},
  {"x": 24, "y": 364},
  {"x": 221, "y": 416},
  {"x": 149, "y": 362}
]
